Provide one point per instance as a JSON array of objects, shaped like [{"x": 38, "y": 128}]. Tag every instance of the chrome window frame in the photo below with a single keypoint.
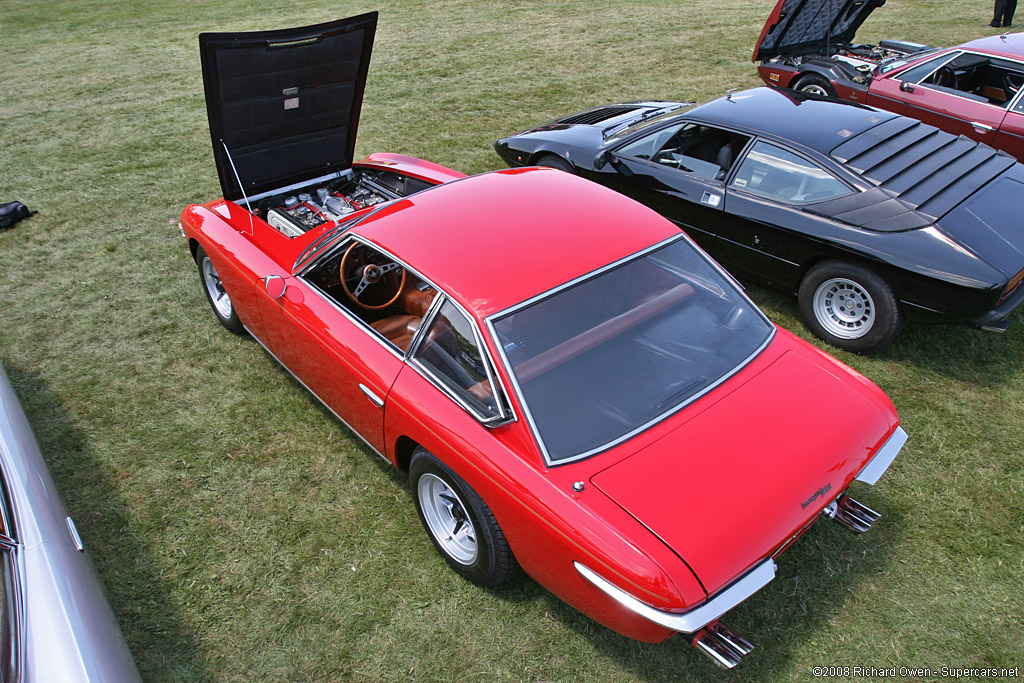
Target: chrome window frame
[
  {"x": 490, "y": 320},
  {"x": 506, "y": 411}
]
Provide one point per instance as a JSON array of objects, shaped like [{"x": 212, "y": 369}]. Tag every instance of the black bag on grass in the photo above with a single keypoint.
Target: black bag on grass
[{"x": 12, "y": 212}]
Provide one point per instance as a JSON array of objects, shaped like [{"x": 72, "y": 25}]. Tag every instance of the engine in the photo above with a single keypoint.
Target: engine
[{"x": 293, "y": 214}]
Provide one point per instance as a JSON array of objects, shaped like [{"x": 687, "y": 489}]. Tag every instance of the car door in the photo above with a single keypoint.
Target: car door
[
  {"x": 1010, "y": 137},
  {"x": 337, "y": 356},
  {"x": 679, "y": 172},
  {"x": 949, "y": 92},
  {"x": 766, "y": 231}
]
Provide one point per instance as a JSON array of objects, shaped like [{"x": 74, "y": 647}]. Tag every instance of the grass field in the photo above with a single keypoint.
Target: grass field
[{"x": 244, "y": 535}]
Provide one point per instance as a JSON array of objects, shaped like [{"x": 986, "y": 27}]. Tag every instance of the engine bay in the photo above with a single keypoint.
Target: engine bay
[
  {"x": 859, "y": 61},
  {"x": 301, "y": 209}
]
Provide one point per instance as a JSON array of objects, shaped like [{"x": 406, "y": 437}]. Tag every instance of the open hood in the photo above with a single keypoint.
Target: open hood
[
  {"x": 284, "y": 105},
  {"x": 733, "y": 483},
  {"x": 807, "y": 26}
]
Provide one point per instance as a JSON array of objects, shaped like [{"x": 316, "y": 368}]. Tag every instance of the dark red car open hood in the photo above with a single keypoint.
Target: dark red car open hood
[
  {"x": 736, "y": 481},
  {"x": 284, "y": 105},
  {"x": 806, "y": 26}
]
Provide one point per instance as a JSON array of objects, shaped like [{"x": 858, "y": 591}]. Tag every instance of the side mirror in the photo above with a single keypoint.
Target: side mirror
[
  {"x": 275, "y": 286},
  {"x": 906, "y": 86},
  {"x": 608, "y": 157},
  {"x": 602, "y": 159}
]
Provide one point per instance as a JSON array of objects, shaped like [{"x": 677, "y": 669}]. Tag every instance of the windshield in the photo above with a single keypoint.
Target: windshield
[
  {"x": 619, "y": 350},
  {"x": 646, "y": 122}
]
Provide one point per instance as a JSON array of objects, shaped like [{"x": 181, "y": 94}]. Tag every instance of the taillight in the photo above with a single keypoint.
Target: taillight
[{"x": 1012, "y": 286}]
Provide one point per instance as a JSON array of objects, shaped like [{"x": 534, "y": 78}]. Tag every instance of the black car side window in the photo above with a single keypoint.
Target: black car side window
[
  {"x": 694, "y": 148},
  {"x": 776, "y": 172}
]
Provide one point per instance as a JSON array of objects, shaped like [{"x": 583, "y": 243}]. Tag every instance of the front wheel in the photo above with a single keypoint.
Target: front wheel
[
  {"x": 461, "y": 526},
  {"x": 218, "y": 297},
  {"x": 850, "y": 307},
  {"x": 554, "y": 161},
  {"x": 816, "y": 85}
]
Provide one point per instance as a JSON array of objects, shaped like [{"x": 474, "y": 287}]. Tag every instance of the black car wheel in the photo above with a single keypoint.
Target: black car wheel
[
  {"x": 816, "y": 85},
  {"x": 459, "y": 522},
  {"x": 849, "y": 306},
  {"x": 554, "y": 161},
  {"x": 218, "y": 297}
]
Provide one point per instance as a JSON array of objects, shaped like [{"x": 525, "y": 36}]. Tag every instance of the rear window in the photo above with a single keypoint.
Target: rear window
[{"x": 616, "y": 352}]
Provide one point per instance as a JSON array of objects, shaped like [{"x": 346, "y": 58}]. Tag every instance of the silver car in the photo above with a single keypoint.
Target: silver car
[{"x": 57, "y": 624}]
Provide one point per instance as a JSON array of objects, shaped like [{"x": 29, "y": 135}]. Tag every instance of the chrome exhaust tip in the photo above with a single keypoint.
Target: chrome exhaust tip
[
  {"x": 722, "y": 645},
  {"x": 855, "y": 516}
]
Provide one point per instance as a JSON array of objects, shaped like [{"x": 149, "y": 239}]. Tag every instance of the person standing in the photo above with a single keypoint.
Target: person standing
[{"x": 1004, "y": 13}]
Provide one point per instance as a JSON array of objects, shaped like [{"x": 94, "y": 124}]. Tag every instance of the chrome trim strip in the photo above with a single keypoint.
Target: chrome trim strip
[
  {"x": 668, "y": 413},
  {"x": 878, "y": 464},
  {"x": 75, "y": 538},
  {"x": 374, "y": 398},
  {"x": 698, "y": 617},
  {"x": 322, "y": 402}
]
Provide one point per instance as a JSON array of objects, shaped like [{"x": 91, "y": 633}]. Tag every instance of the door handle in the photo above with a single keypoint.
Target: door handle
[
  {"x": 374, "y": 398},
  {"x": 981, "y": 127}
]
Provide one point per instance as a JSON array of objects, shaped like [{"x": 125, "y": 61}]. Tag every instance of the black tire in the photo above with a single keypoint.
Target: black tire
[
  {"x": 554, "y": 161},
  {"x": 850, "y": 307},
  {"x": 218, "y": 297},
  {"x": 815, "y": 84},
  {"x": 451, "y": 511}
]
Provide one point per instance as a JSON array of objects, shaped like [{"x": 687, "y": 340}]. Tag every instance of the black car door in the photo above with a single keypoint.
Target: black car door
[
  {"x": 766, "y": 230},
  {"x": 679, "y": 171}
]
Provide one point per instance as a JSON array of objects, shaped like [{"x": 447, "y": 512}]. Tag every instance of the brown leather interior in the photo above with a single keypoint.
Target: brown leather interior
[{"x": 399, "y": 329}]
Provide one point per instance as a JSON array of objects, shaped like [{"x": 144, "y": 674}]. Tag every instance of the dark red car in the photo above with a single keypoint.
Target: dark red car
[{"x": 973, "y": 89}]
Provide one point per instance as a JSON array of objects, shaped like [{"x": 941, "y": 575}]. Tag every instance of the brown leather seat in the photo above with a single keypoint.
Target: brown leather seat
[{"x": 398, "y": 329}]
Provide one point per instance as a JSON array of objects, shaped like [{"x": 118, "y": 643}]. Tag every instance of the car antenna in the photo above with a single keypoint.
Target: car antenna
[
  {"x": 239, "y": 179},
  {"x": 728, "y": 93}
]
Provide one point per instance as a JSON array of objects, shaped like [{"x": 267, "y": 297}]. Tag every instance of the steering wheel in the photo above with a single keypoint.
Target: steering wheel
[
  {"x": 1010, "y": 86},
  {"x": 946, "y": 77},
  {"x": 365, "y": 272}
]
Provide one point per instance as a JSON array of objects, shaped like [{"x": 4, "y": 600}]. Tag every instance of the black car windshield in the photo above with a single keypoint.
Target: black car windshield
[{"x": 622, "y": 348}]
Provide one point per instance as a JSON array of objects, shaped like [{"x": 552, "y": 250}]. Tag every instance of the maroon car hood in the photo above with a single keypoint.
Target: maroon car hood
[
  {"x": 804, "y": 26},
  {"x": 734, "y": 482}
]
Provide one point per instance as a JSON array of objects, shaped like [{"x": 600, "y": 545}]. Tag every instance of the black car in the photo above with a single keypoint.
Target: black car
[{"x": 870, "y": 217}]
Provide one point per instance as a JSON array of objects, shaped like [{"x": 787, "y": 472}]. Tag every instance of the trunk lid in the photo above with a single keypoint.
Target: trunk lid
[
  {"x": 734, "y": 482},
  {"x": 284, "y": 105}
]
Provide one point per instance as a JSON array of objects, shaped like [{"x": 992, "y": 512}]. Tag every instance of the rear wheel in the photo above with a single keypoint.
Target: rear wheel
[
  {"x": 218, "y": 297},
  {"x": 849, "y": 306},
  {"x": 554, "y": 161},
  {"x": 461, "y": 526},
  {"x": 816, "y": 85}
]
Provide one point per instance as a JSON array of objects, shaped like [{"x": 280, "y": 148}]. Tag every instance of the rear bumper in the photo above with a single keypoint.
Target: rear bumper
[
  {"x": 995, "y": 320},
  {"x": 698, "y": 617}
]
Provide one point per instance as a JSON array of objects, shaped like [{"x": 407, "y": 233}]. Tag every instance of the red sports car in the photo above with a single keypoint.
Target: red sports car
[
  {"x": 574, "y": 387},
  {"x": 973, "y": 89}
]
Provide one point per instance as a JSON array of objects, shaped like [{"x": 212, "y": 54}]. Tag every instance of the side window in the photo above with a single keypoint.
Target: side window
[
  {"x": 921, "y": 71},
  {"x": 704, "y": 151},
  {"x": 450, "y": 354},
  {"x": 776, "y": 172},
  {"x": 976, "y": 77}
]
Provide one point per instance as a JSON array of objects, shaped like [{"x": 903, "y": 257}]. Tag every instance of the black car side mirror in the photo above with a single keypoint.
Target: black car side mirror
[
  {"x": 608, "y": 157},
  {"x": 906, "y": 86}
]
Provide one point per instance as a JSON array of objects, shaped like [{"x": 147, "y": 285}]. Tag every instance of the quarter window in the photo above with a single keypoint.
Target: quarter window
[
  {"x": 451, "y": 355},
  {"x": 776, "y": 172}
]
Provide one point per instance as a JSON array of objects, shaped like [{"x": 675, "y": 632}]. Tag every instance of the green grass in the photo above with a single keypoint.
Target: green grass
[{"x": 244, "y": 535}]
